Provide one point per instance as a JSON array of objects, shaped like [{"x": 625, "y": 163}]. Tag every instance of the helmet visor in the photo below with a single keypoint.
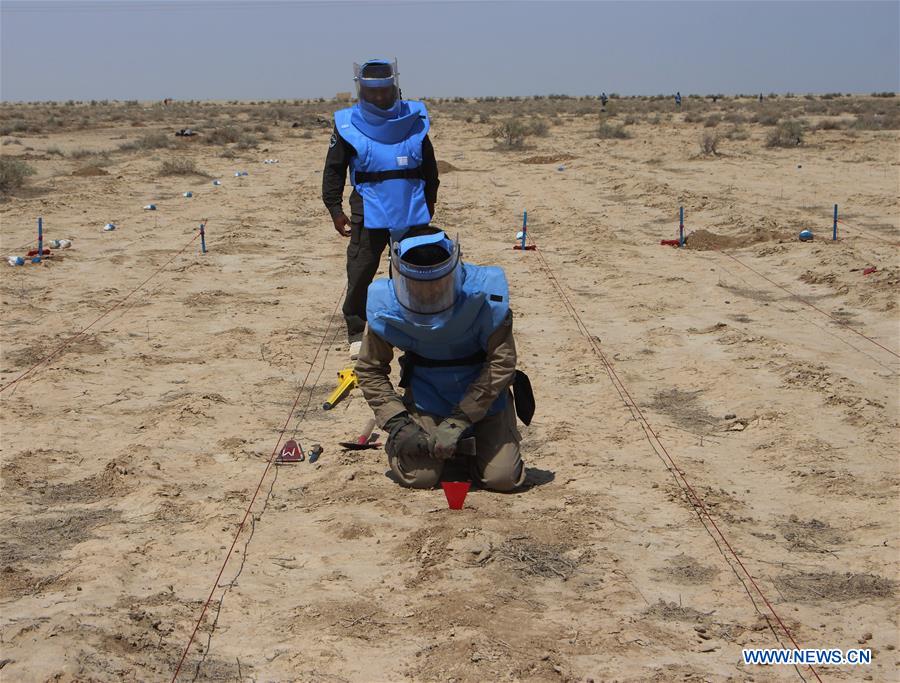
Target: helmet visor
[
  {"x": 426, "y": 273},
  {"x": 377, "y": 83}
]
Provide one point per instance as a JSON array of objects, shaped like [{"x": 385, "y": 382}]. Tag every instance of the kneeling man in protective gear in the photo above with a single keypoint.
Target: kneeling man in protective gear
[{"x": 453, "y": 324}]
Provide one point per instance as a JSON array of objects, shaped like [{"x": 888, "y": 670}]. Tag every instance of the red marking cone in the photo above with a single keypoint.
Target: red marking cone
[{"x": 456, "y": 493}]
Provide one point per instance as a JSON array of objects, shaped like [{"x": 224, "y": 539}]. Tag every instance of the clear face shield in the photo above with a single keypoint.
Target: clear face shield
[
  {"x": 377, "y": 82},
  {"x": 427, "y": 277}
]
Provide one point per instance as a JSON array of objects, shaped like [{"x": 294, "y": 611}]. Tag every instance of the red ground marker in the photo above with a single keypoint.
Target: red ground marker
[{"x": 456, "y": 493}]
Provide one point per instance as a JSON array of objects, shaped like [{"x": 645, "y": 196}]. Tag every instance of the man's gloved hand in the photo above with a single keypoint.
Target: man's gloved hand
[
  {"x": 405, "y": 437},
  {"x": 447, "y": 435},
  {"x": 342, "y": 224}
]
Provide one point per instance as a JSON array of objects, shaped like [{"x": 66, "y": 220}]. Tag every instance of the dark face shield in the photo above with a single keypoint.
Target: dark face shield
[
  {"x": 427, "y": 277},
  {"x": 377, "y": 83}
]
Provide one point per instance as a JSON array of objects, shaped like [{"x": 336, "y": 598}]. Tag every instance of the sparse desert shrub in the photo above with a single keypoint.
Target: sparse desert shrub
[
  {"x": 787, "y": 134},
  {"x": 737, "y": 133},
  {"x": 510, "y": 134},
  {"x": 179, "y": 166},
  {"x": 877, "y": 121},
  {"x": 13, "y": 173},
  {"x": 709, "y": 143},
  {"x": 12, "y": 141},
  {"x": 630, "y": 120},
  {"x": 55, "y": 151},
  {"x": 607, "y": 131},
  {"x": 693, "y": 117},
  {"x": 735, "y": 117},
  {"x": 539, "y": 127},
  {"x": 712, "y": 121},
  {"x": 766, "y": 119},
  {"x": 223, "y": 136},
  {"x": 247, "y": 141},
  {"x": 148, "y": 141},
  {"x": 831, "y": 124},
  {"x": 81, "y": 153}
]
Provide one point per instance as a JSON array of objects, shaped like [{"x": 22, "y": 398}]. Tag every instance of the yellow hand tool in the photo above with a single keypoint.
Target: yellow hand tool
[{"x": 346, "y": 381}]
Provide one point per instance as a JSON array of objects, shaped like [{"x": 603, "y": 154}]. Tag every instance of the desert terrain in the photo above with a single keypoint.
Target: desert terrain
[{"x": 712, "y": 465}]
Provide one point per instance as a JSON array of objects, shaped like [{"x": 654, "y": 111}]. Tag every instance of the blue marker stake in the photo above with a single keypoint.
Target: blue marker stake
[
  {"x": 37, "y": 259},
  {"x": 524, "y": 227},
  {"x": 681, "y": 226},
  {"x": 834, "y": 230},
  {"x": 203, "y": 237}
]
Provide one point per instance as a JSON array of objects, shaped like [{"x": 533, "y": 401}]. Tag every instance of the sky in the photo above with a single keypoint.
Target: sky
[{"x": 284, "y": 49}]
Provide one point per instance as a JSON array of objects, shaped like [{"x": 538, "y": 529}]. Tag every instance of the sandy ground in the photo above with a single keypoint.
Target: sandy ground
[{"x": 128, "y": 461}]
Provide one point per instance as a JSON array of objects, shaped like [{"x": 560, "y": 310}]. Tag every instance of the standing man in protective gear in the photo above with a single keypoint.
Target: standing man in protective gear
[
  {"x": 383, "y": 140},
  {"x": 453, "y": 323}
]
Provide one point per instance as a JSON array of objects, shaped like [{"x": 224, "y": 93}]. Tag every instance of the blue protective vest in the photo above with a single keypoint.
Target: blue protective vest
[
  {"x": 479, "y": 310},
  {"x": 385, "y": 146}
]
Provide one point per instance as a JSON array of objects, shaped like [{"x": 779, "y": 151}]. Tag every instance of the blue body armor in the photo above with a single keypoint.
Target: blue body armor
[
  {"x": 387, "y": 168},
  {"x": 479, "y": 310}
]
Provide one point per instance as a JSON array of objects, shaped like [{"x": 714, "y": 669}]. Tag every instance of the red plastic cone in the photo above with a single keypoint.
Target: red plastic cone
[{"x": 456, "y": 493}]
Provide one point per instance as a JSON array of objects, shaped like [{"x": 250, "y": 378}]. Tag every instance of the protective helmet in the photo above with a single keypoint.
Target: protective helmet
[
  {"x": 377, "y": 82},
  {"x": 426, "y": 273}
]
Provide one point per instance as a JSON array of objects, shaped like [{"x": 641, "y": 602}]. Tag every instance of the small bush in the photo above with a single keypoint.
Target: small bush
[
  {"x": 179, "y": 167},
  {"x": 712, "y": 121},
  {"x": 148, "y": 141},
  {"x": 709, "y": 143},
  {"x": 13, "y": 173},
  {"x": 510, "y": 134},
  {"x": 607, "y": 131},
  {"x": 81, "y": 153},
  {"x": 737, "y": 133},
  {"x": 223, "y": 136},
  {"x": 539, "y": 127},
  {"x": 877, "y": 122},
  {"x": 787, "y": 134},
  {"x": 831, "y": 124},
  {"x": 883, "y": 94},
  {"x": 247, "y": 141}
]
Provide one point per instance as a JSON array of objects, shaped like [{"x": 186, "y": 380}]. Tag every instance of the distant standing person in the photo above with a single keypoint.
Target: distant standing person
[
  {"x": 383, "y": 140},
  {"x": 603, "y": 100},
  {"x": 678, "y": 99}
]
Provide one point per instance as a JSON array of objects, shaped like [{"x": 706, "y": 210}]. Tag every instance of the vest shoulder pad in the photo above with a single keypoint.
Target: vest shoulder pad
[{"x": 489, "y": 281}]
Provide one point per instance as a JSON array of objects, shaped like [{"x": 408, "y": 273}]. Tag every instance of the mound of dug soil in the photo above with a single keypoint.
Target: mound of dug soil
[{"x": 704, "y": 240}]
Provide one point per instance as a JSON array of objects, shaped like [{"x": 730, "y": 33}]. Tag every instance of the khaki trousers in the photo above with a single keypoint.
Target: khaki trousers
[{"x": 497, "y": 465}]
